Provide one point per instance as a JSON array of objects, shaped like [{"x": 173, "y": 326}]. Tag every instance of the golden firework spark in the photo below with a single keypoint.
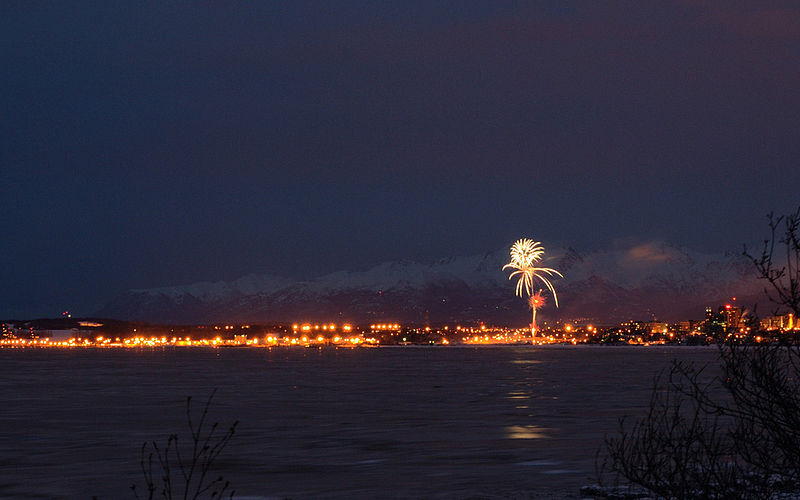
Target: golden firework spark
[{"x": 524, "y": 254}]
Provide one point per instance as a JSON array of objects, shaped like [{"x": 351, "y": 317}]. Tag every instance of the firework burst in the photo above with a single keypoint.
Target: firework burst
[
  {"x": 537, "y": 300},
  {"x": 524, "y": 254}
]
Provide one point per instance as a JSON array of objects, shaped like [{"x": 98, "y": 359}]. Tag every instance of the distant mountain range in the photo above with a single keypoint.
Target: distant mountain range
[{"x": 640, "y": 282}]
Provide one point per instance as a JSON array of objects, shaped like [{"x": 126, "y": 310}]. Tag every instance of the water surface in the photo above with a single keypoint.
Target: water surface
[{"x": 438, "y": 422}]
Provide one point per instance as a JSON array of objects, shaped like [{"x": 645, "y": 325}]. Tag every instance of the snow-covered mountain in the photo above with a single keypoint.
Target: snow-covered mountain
[{"x": 607, "y": 286}]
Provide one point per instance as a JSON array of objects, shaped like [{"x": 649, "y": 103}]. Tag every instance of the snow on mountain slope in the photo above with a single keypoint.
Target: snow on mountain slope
[
  {"x": 634, "y": 282},
  {"x": 220, "y": 290}
]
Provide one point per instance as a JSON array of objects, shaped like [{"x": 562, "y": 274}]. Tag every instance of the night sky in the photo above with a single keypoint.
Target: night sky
[{"x": 157, "y": 144}]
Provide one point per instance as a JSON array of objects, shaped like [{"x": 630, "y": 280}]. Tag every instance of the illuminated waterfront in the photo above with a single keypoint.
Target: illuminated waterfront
[
  {"x": 392, "y": 422},
  {"x": 726, "y": 325}
]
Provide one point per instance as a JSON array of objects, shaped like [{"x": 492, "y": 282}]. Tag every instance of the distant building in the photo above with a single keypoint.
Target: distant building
[
  {"x": 714, "y": 323},
  {"x": 656, "y": 328},
  {"x": 732, "y": 317},
  {"x": 634, "y": 327},
  {"x": 784, "y": 322}
]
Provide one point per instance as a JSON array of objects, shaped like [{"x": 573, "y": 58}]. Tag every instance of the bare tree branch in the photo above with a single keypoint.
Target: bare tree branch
[{"x": 194, "y": 468}]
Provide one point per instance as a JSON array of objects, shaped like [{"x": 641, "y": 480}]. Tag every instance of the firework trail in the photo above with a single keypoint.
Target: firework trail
[{"x": 535, "y": 301}]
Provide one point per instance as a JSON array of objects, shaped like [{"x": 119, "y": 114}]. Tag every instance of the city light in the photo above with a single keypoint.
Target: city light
[{"x": 726, "y": 323}]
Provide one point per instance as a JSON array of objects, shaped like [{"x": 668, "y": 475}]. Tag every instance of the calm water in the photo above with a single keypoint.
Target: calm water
[{"x": 410, "y": 422}]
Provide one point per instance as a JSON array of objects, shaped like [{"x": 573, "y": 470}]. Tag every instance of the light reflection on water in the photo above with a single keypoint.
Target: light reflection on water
[
  {"x": 526, "y": 432},
  {"x": 324, "y": 423},
  {"x": 518, "y": 395}
]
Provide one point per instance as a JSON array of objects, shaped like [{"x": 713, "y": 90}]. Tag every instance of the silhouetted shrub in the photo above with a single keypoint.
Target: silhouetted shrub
[
  {"x": 176, "y": 471},
  {"x": 734, "y": 435}
]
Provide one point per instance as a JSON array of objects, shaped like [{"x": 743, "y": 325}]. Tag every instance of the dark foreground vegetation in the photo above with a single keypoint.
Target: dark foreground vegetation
[
  {"x": 735, "y": 434},
  {"x": 177, "y": 470},
  {"x": 727, "y": 432}
]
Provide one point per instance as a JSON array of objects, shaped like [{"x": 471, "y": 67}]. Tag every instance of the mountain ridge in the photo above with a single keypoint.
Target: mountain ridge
[{"x": 643, "y": 281}]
